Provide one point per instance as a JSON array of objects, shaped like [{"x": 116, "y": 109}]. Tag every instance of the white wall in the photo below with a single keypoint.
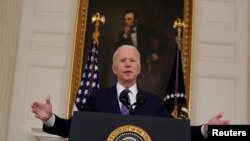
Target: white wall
[
  {"x": 43, "y": 62},
  {"x": 220, "y": 60},
  {"x": 10, "y": 16}
]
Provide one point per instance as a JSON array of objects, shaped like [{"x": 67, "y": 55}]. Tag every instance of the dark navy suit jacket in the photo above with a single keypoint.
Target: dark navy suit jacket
[{"x": 106, "y": 101}]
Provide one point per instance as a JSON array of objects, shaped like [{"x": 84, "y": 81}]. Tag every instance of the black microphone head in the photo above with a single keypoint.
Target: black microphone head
[
  {"x": 140, "y": 99},
  {"x": 124, "y": 98}
]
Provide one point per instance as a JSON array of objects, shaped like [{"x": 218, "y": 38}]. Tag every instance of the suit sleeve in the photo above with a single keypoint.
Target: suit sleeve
[
  {"x": 162, "y": 112},
  {"x": 196, "y": 134},
  {"x": 61, "y": 127}
]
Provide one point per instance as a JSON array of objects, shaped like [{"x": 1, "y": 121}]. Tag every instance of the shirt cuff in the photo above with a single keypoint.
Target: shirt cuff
[
  {"x": 51, "y": 121},
  {"x": 204, "y": 134}
]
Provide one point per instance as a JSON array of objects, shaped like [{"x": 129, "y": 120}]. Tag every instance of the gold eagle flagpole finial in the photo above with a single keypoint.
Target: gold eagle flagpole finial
[
  {"x": 97, "y": 19},
  {"x": 179, "y": 25}
]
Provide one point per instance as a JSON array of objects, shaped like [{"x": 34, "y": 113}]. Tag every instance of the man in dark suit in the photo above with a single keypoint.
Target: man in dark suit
[{"x": 126, "y": 66}]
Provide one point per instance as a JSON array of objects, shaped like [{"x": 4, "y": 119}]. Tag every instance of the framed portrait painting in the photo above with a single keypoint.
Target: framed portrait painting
[{"x": 156, "y": 42}]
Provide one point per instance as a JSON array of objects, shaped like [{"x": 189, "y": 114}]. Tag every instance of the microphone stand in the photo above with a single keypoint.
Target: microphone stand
[{"x": 131, "y": 110}]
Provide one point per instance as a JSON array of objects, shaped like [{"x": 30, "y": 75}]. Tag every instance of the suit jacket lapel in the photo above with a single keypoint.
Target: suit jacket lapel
[
  {"x": 113, "y": 99},
  {"x": 142, "y": 106}
]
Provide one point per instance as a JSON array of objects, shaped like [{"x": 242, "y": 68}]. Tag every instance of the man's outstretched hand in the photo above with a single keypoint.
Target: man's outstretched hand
[
  {"x": 42, "y": 111},
  {"x": 216, "y": 120}
]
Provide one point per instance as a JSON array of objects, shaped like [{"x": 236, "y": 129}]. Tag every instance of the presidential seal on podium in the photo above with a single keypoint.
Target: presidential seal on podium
[{"x": 129, "y": 133}]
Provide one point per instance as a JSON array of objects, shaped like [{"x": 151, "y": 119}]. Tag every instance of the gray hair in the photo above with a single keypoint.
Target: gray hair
[{"x": 126, "y": 46}]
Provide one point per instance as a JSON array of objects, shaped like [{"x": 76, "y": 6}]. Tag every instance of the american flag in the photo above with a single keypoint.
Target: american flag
[{"x": 89, "y": 79}]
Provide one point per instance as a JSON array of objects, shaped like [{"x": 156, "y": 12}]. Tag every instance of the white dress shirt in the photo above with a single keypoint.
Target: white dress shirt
[{"x": 132, "y": 94}]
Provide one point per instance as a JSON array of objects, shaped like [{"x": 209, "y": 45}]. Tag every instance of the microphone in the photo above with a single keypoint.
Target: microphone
[
  {"x": 125, "y": 101},
  {"x": 124, "y": 98},
  {"x": 140, "y": 100}
]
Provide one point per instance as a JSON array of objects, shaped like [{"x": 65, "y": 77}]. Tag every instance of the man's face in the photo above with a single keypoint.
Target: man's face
[
  {"x": 129, "y": 20},
  {"x": 126, "y": 65}
]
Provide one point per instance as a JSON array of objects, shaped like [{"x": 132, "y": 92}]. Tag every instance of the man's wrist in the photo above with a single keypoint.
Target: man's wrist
[{"x": 51, "y": 121}]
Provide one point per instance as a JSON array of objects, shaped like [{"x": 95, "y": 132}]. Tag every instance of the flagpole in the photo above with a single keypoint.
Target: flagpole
[
  {"x": 97, "y": 19},
  {"x": 178, "y": 25}
]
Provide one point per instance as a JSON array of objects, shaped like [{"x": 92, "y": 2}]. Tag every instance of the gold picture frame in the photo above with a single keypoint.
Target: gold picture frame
[{"x": 79, "y": 44}]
